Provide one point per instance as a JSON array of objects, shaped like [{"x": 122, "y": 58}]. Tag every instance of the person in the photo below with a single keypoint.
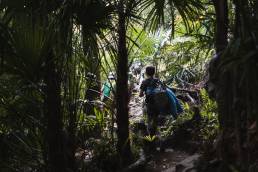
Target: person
[
  {"x": 160, "y": 100},
  {"x": 107, "y": 88},
  {"x": 152, "y": 110}
]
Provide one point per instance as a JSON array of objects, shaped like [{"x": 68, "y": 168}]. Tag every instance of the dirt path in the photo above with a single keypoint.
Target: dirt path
[
  {"x": 161, "y": 161},
  {"x": 165, "y": 161},
  {"x": 135, "y": 108}
]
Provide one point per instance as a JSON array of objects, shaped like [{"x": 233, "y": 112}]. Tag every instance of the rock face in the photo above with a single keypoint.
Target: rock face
[{"x": 187, "y": 165}]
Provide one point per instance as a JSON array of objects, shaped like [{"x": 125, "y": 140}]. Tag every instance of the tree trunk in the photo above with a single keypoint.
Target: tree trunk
[
  {"x": 222, "y": 83},
  {"x": 220, "y": 45},
  {"x": 55, "y": 137},
  {"x": 230, "y": 94},
  {"x": 122, "y": 97},
  {"x": 221, "y": 8}
]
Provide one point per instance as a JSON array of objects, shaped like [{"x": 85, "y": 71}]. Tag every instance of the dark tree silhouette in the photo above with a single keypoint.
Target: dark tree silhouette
[
  {"x": 221, "y": 9},
  {"x": 55, "y": 138},
  {"x": 122, "y": 96},
  {"x": 236, "y": 98}
]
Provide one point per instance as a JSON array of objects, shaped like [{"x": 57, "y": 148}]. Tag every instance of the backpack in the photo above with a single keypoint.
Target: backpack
[
  {"x": 175, "y": 106},
  {"x": 159, "y": 97}
]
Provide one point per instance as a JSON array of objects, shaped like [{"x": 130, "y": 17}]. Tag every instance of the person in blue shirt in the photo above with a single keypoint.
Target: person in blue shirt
[{"x": 107, "y": 88}]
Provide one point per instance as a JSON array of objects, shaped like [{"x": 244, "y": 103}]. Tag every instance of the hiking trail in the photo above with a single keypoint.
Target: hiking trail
[{"x": 160, "y": 161}]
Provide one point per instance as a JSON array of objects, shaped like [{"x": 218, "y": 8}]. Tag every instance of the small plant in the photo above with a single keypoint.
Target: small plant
[
  {"x": 209, "y": 107},
  {"x": 150, "y": 138},
  {"x": 105, "y": 157}
]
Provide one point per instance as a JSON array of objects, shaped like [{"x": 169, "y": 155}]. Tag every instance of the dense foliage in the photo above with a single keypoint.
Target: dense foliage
[{"x": 56, "y": 55}]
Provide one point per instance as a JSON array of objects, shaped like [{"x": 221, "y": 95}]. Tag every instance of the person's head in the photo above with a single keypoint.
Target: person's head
[
  {"x": 150, "y": 71},
  {"x": 111, "y": 76}
]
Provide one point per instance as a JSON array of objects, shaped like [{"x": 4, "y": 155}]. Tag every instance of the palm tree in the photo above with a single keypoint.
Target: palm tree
[
  {"x": 156, "y": 11},
  {"x": 122, "y": 97},
  {"x": 94, "y": 18},
  {"x": 33, "y": 56}
]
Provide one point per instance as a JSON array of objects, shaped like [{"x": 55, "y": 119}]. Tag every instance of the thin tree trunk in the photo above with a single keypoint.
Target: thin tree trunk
[
  {"x": 122, "y": 97},
  {"x": 221, "y": 8},
  {"x": 222, "y": 82},
  {"x": 220, "y": 45},
  {"x": 55, "y": 137}
]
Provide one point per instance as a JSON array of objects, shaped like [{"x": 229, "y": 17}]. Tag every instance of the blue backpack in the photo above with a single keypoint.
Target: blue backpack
[
  {"x": 175, "y": 106},
  {"x": 157, "y": 92},
  {"x": 164, "y": 99}
]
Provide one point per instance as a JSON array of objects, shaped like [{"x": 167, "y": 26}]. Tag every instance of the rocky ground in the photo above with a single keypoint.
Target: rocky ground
[{"x": 168, "y": 161}]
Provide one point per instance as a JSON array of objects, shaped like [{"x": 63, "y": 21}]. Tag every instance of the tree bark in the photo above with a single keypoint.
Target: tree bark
[
  {"x": 221, "y": 8},
  {"x": 55, "y": 137},
  {"x": 222, "y": 83},
  {"x": 122, "y": 97},
  {"x": 230, "y": 95},
  {"x": 221, "y": 42}
]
